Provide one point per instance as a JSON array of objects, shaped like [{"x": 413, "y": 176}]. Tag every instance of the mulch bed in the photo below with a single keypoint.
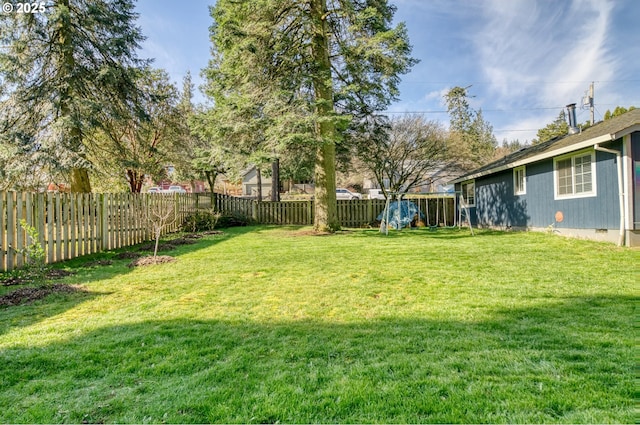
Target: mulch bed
[
  {"x": 98, "y": 263},
  {"x": 147, "y": 261},
  {"x": 213, "y": 232},
  {"x": 181, "y": 241},
  {"x": 127, "y": 255},
  {"x": 58, "y": 273},
  {"x": 202, "y": 234},
  {"x": 51, "y": 274},
  {"x": 314, "y": 233},
  {"x": 151, "y": 246},
  {"x": 29, "y": 295}
]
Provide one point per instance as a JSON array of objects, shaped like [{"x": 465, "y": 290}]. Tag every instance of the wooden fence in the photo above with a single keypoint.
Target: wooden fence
[
  {"x": 438, "y": 210},
  {"x": 71, "y": 225}
]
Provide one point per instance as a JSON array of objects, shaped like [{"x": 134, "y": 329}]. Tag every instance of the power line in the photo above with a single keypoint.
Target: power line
[
  {"x": 458, "y": 83},
  {"x": 546, "y": 108}
]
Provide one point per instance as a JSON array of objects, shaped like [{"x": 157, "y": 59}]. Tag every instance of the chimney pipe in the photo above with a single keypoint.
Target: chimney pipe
[{"x": 571, "y": 113}]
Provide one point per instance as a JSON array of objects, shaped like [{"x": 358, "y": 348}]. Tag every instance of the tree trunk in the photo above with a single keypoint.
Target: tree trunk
[
  {"x": 326, "y": 215},
  {"x": 275, "y": 180},
  {"x": 80, "y": 180},
  {"x": 259, "y": 177},
  {"x": 211, "y": 179},
  {"x": 135, "y": 180},
  {"x": 79, "y": 176}
]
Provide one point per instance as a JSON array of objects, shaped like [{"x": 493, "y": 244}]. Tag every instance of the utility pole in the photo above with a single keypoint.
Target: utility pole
[{"x": 591, "y": 107}]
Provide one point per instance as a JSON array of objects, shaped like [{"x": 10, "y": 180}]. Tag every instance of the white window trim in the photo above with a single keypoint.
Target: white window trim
[
  {"x": 464, "y": 195},
  {"x": 590, "y": 194},
  {"x": 524, "y": 180}
]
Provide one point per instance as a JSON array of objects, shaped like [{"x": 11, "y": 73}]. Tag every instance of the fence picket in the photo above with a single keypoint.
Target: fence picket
[
  {"x": 11, "y": 230},
  {"x": 3, "y": 235},
  {"x": 20, "y": 232}
]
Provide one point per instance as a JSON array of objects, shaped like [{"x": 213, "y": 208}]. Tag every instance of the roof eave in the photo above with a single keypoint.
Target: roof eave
[{"x": 546, "y": 155}]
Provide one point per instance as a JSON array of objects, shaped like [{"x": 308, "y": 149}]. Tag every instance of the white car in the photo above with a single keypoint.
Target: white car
[
  {"x": 178, "y": 189},
  {"x": 342, "y": 193},
  {"x": 376, "y": 194},
  {"x": 154, "y": 189},
  {"x": 174, "y": 189}
]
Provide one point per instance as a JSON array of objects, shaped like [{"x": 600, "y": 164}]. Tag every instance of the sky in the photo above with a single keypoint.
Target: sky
[{"x": 523, "y": 60}]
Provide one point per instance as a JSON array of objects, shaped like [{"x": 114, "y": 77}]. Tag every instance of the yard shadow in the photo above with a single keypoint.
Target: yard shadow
[
  {"x": 498, "y": 207},
  {"x": 426, "y": 233},
  {"x": 568, "y": 361},
  {"x": 27, "y": 314},
  {"x": 30, "y": 313},
  {"x": 87, "y": 274}
]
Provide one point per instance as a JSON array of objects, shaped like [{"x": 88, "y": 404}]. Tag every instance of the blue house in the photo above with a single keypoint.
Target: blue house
[{"x": 584, "y": 184}]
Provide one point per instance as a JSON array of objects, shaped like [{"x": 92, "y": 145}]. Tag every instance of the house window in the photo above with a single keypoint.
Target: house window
[
  {"x": 520, "y": 181},
  {"x": 469, "y": 193},
  {"x": 575, "y": 176}
]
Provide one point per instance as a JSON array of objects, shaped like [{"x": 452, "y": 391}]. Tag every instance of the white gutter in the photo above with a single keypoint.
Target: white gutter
[{"x": 618, "y": 155}]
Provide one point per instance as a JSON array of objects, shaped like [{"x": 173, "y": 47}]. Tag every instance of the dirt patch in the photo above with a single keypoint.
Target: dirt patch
[
  {"x": 181, "y": 241},
  {"x": 163, "y": 246},
  {"x": 98, "y": 263},
  {"x": 29, "y": 295},
  {"x": 147, "y": 261},
  {"x": 127, "y": 255},
  {"x": 21, "y": 280},
  {"x": 212, "y": 232},
  {"x": 13, "y": 280},
  {"x": 314, "y": 233},
  {"x": 58, "y": 273}
]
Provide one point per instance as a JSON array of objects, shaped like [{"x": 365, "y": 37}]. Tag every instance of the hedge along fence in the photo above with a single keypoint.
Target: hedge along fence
[{"x": 71, "y": 225}]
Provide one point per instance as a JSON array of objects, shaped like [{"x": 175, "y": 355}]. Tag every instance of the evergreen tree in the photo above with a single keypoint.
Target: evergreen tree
[
  {"x": 472, "y": 141},
  {"x": 58, "y": 69},
  {"x": 281, "y": 70},
  {"x": 558, "y": 128},
  {"x": 142, "y": 140},
  {"x": 619, "y": 110}
]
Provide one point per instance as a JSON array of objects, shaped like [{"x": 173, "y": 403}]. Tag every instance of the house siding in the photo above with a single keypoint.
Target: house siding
[
  {"x": 498, "y": 206},
  {"x": 635, "y": 190}
]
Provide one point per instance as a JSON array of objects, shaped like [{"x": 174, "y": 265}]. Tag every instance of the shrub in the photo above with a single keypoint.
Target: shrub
[
  {"x": 234, "y": 220},
  {"x": 200, "y": 221},
  {"x": 36, "y": 267}
]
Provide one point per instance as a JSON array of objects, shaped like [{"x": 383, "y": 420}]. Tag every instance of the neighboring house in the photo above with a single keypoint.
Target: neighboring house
[
  {"x": 435, "y": 181},
  {"x": 584, "y": 184},
  {"x": 250, "y": 183}
]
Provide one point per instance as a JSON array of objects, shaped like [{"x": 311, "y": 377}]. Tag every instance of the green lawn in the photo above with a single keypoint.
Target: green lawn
[{"x": 265, "y": 325}]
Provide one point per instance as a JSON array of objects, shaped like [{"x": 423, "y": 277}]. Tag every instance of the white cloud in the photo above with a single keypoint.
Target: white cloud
[{"x": 546, "y": 48}]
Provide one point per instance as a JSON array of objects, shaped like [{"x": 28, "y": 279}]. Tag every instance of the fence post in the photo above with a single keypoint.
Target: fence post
[
  {"x": 104, "y": 222},
  {"x": 254, "y": 211}
]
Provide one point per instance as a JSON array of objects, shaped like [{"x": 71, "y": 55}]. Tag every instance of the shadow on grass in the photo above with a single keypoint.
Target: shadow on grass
[
  {"x": 571, "y": 361},
  {"x": 30, "y": 313},
  {"x": 51, "y": 305},
  {"x": 86, "y": 274},
  {"x": 426, "y": 233}
]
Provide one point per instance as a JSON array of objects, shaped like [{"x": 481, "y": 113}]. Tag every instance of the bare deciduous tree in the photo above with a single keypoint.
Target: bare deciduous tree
[
  {"x": 401, "y": 153},
  {"x": 158, "y": 213}
]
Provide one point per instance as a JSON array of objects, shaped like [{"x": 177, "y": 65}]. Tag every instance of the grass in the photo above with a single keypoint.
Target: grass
[{"x": 266, "y": 325}]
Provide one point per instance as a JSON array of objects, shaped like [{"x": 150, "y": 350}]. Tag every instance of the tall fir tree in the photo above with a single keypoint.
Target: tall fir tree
[
  {"x": 472, "y": 141},
  {"x": 287, "y": 72},
  {"x": 58, "y": 68}
]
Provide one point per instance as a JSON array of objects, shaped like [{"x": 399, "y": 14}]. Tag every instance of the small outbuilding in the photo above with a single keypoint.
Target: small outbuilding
[{"x": 585, "y": 184}]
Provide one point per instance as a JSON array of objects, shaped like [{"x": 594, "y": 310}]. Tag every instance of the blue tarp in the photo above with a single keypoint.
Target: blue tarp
[{"x": 401, "y": 214}]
